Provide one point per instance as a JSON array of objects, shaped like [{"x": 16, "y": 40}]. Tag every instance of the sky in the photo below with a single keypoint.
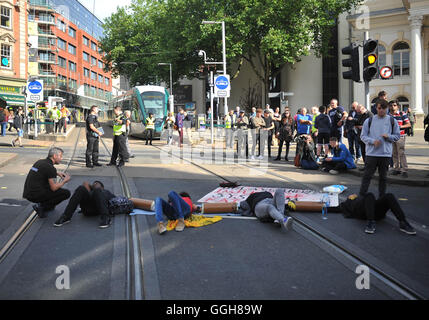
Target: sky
[{"x": 104, "y": 8}]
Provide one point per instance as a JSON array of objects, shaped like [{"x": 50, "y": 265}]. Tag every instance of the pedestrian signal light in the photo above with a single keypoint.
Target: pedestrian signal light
[
  {"x": 353, "y": 62},
  {"x": 370, "y": 59}
]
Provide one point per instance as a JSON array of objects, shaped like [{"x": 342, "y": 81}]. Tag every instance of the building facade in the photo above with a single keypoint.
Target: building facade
[
  {"x": 14, "y": 51},
  {"x": 65, "y": 53}
]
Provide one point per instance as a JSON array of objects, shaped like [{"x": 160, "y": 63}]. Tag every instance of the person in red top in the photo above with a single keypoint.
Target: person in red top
[
  {"x": 179, "y": 207},
  {"x": 400, "y": 165}
]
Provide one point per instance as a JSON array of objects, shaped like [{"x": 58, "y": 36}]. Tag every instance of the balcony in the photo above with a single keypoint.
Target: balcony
[
  {"x": 45, "y": 32},
  {"x": 45, "y": 19},
  {"x": 46, "y": 44},
  {"x": 47, "y": 73},
  {"x": 46, "y": 59},
  {"x": 41, "y": 4}
]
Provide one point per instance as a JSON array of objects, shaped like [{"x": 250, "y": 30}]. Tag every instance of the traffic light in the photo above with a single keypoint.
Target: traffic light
[
  {"x": 370, "y": 59},
  {"x": 352, "y": 62}
]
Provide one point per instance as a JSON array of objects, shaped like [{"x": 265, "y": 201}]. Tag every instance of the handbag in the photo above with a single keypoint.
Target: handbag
[
  {"x": 297, "y": 161},
  {"x": 120, "y": 205}
]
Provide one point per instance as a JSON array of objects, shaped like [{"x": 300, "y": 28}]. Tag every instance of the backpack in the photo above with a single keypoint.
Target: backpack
[
  {"x": 120, "y": 205},
  {"x": 392, "y": 122},
  {"x": 17, "y": 122}
]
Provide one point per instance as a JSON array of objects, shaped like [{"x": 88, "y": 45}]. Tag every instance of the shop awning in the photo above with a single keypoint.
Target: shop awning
[{"x": 14, "y": 99}]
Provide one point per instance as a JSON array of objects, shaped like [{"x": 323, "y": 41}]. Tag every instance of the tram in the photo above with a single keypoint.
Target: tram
[{"x": 141, "y": 101}]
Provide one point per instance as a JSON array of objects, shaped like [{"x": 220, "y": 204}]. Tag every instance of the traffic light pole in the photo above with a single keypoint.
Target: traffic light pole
[{"x": 367, "y": 97}]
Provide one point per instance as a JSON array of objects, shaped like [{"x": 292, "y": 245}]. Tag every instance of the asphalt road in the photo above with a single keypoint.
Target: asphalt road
[{"x": 232, "y": 259}]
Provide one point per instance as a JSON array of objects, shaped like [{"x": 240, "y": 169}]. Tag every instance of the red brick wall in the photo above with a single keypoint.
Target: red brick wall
[{"x": 78, "y": 58}]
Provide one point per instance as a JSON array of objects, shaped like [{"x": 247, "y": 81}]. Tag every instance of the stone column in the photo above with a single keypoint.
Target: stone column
[{"x": 416, "y": 64}]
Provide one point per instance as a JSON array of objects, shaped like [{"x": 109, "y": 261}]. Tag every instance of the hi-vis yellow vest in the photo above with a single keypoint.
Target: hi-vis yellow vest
[
  {"x": 229, "y": 121},
  {"x": 119, "y": 129},
  {"x": 150, "y": 123}
]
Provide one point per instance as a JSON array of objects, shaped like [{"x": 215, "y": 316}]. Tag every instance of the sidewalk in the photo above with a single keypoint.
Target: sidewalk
[
  {"x": 5, "y": 158},
  {"x": 6, "y": 141},
  {"x": 417, "y": 152}
]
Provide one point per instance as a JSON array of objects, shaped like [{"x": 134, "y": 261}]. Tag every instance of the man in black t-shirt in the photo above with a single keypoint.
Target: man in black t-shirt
[
  {"x": 338, "y": 116},
  {"x": 40, "y": 186},
  {"x": 269, "y": 126},
  {"x": 93, "y": 138}
]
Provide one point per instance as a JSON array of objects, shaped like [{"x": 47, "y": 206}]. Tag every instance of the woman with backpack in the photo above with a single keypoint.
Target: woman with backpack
[{"x": 18, "y": 121}]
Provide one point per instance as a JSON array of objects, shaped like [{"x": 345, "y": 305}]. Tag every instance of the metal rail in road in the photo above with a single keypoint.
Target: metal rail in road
[{"x": 389, "y": 280}]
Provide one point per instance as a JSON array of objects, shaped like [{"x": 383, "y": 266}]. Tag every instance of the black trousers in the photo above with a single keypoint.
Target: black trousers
[
  {"x": 119, "y": 149},
  {"x": 362, "y": 149},
  {"x": 270, "y": 142},
  {"x": 92, "y": 150},
  {"x": 63, "y": 124},
  {"x": 334, "y": 165},
  {"x": 371, "y": 164},
  {"x": 50, "y": 199},
  {"x": 149, "y": 135},
  {"x": 92, "y": 203},
  {"x": 377, "y": 209},
  {"x": 287, "y": 144}
]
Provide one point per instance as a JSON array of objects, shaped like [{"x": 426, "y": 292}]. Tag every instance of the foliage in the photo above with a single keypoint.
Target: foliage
[{"x": 268, "y": 34}]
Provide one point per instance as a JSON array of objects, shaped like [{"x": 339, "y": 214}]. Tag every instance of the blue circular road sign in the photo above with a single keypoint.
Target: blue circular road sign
[
  {"x": 35, "y": 87},
  {"x": 5, "y": 62},
  {"x": 222, "y": 83}
]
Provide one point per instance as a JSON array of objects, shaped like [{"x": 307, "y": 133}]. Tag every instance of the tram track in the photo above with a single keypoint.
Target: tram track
[
  {"x": 134, "y": 278},
  {"x": 32, "y": 217},
  {"x": 387, "y": 279}
]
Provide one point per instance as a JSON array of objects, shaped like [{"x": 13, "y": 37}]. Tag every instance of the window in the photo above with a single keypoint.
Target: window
[
  {"x": 401, "y": 59},
  {"x": 93, "y": 46},
  {"x": 61, "y": 44},
  {"x": 100, "y": 64},
  {"x": 100, "y": 78},
  {"x": 61, "y": 25},
  {"x": 5, "y": 17},
  {"x": 62, "y": 82},
  {"x": 86, "y": 41},
  {"x": 93, "y": 61},
  {"x": 72, "y": 84},
  {"x": 93, "y": 75},
  {"x": 381, "y": 55},
  {"x": 86, "y": 72},
  {"x": 85, "y": 56},
  {"x": 72, "y": 66},
  {"x": 72, "y": 49},
  {"x": 72, "y": 32},
  {"x": 106, "y": 81},
  {"x": 5, "y": 55},
  {"x": 62, "y": 62}
]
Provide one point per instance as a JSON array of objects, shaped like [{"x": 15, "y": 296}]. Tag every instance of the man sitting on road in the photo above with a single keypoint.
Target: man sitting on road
[
  {"x": 342, "y": 158},
  {"x": 40, "y": 185},
  {"x": 368, "y": 208},
  {"x": 92, "y": 199},
  {"x": 267, "y": 208}
]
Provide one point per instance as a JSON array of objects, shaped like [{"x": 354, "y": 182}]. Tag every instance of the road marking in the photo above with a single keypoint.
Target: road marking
[{"x": 9, "y": 204}]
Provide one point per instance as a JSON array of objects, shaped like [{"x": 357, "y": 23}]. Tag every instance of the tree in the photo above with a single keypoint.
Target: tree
[{"x": 268, "y": 34}]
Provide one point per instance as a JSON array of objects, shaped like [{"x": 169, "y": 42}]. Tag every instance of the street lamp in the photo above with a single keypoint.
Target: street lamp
[
  {"x": 171, "y": 85},
  {"x": 223, "y": 54}
]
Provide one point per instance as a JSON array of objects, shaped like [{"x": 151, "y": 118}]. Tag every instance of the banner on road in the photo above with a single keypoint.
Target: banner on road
[{"x": 238, "y": 194}]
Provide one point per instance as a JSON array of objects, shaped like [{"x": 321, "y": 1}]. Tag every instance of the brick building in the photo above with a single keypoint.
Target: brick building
[
  {"x": 65, "y": 53},
  {"x": 14, "y": 51}
]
